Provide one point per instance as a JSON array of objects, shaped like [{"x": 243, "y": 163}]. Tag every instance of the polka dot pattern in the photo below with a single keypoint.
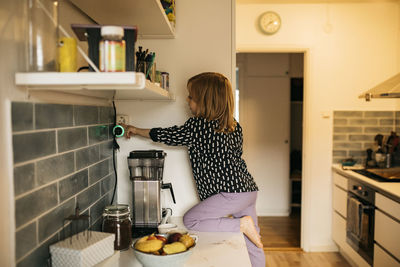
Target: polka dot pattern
[{"x": 216, "y": 158}]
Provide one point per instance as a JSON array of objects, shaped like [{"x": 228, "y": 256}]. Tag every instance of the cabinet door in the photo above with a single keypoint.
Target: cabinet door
[
  {"x": 340, "y": 180},
  {"x": 338, "y": 229},
  {"x": 387, "y": 205},
  {"x": 387, "y": 233},
  {"x": 340, "y": 201},
  {"x": 382, "y": 259}
]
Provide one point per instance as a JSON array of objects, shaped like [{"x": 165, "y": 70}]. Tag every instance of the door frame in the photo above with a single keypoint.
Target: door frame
[{"x": 306, "y": 175}]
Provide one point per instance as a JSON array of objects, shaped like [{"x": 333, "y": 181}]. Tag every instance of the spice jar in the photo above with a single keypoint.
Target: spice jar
[
  {"x": 112, "y": 49},
  {"x": 116, "y": 220}
]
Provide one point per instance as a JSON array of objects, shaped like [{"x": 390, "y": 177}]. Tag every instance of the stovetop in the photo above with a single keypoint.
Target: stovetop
[{"x": 381, "y": 175}]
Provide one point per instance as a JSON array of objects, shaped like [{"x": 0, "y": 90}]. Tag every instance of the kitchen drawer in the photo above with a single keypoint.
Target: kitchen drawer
[
  {"x": 387, "y": 233},
  {"x": 387, "y": 205},
  {"x": 340, "y": 180},
  {"x": 340, "y": 201},
  {"x": 382, "y": 259},
  {"x": 338, "y": 229}
]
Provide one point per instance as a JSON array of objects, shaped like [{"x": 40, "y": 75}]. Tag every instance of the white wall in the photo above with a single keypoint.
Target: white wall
[
  {"x": 12, "y": 59},
  {"x": 203, "y": 43},
  {"x": 361, "y": 50}
]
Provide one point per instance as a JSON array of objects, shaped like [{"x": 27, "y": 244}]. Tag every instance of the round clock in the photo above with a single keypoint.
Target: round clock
[{"x": 269, "y": 22}]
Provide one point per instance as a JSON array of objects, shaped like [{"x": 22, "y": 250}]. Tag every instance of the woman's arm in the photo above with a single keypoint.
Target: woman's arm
[{"x": 131, "y": 130}]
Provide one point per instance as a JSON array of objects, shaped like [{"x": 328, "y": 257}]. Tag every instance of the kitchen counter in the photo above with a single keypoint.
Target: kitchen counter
[
  {"x": 212, "y": 250},
  {"x": 389, "y": 189}
]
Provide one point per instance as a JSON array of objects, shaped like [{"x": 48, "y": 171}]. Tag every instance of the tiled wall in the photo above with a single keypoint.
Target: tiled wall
[
  {"x": 354, "y": 132},
  {"x": 62, "y": 157}
]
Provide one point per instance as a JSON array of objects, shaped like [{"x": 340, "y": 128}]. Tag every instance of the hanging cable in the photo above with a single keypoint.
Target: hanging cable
[{"x": 114, "y": 148}]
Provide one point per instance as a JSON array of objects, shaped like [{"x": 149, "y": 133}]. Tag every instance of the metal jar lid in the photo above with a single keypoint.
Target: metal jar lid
[{"x": 116, "y": 210}]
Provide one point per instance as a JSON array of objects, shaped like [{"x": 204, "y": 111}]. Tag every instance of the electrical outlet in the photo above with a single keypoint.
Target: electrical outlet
[{"x": 122, "y": 119}]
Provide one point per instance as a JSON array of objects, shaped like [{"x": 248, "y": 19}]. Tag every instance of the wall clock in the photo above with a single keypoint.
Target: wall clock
[{"x": 269, "y": 22}]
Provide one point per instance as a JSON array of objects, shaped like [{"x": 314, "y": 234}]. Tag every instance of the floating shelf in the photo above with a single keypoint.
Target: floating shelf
[
  {"x": 148, "y": 15},
  {"x": 125, "y": 85}
]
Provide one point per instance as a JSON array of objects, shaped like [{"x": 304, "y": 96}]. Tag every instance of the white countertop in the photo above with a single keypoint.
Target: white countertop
[
  {"x": 220, "y": 249},
  {"x": 390, "y": 189}
]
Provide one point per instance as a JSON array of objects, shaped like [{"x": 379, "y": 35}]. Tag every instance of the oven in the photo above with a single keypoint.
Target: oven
[{"x": 360, "y": 219}]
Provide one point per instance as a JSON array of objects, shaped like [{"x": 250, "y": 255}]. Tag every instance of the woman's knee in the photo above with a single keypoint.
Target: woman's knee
[{"x": 189, "y": 221}]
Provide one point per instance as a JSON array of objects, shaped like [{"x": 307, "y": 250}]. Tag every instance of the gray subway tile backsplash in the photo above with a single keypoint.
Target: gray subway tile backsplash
[
  {"x": 22, "y": 116},
  {"x": 98, "y": 133},
  {"x": 96, "y": 210},
  {"x": 34, "y": 204},
  {"x": 389, "y": 114},
  {"x": 54, "y": 220},
  {"x": 53, "y": 116},
  {"x": 347, "y": 129},
  {"x": 52, "y": 157},
  {"x": 363, "y": 122},
  {"x": 40, "y": 256},
  {"x": 26, "y": 239},
  {"x": 106, "y": 115},
  {"x": 106, "y": 150},
  {"x": 89, "y": 196},
  {"x": 347, "y": 114},
  {"x": 72, "y": 139},
  {"x": 98, "y": 171},
  {"x": 355, "y": 137},
  {"x": 87, "y": 156},
  {"x": 48, "y": 170},
  {"x": 33, "y": 145},
  {"x": 24, "y": 178},
  {"x": 73, "y": 184},
  {"x": 86, "y": 115},
  {"x": 107, "y": 184}
]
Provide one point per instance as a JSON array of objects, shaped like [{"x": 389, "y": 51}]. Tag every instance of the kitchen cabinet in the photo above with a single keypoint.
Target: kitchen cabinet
[
  {"x": 339, "y": 209},
  {"x": 148, "y": 15},
  {"x": 387, "y": 230},
  {"x": 382, "y": 259},
  {"x": 339, "y": 216},
  {"x": 106, "y": 85}
]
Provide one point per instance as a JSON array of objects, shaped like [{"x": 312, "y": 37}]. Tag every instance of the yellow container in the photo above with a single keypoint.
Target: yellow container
[{"x": 67, "y": 52}]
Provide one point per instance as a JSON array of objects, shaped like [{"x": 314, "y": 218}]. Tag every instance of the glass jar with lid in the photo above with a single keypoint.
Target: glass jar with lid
[
  {"x": 116, "y": 219},
  {"x": 112, "y": 49}
]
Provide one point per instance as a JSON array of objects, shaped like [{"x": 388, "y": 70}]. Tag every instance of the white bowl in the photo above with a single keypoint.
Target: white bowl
[
  {"x": 173, "y": 260},
  {"x": 167, "y": 227}
]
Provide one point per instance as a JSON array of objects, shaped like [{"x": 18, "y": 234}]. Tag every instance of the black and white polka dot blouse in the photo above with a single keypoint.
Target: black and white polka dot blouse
[{"x": 216, "y": 158}]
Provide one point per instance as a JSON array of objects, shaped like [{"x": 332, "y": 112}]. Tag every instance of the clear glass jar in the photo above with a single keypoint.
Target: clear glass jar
[
  {"x": 112, "y": 49},
  {"x": 42, "y": 35},
  {"x": 116, "y": 219}
]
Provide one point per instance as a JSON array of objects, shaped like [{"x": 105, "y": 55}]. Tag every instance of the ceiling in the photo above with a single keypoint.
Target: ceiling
[{"x": 308, "y": 1}]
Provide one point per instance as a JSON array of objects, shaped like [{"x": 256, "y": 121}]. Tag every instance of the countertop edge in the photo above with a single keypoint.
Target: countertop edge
[{"x": 377, "y": 186}]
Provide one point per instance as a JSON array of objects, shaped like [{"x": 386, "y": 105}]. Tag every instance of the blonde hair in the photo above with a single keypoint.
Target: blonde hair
[{"x": 213, "y": 95}]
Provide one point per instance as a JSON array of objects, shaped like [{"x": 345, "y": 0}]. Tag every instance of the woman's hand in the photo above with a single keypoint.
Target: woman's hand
[{"x": 130, "y": 130}]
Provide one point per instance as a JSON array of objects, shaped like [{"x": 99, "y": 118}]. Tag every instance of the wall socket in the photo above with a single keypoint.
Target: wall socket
[{"x": 121, "y": 118}]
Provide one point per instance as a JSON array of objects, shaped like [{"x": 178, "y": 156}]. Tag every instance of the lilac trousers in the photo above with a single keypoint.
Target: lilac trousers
[{"x": 210, "y": 216}]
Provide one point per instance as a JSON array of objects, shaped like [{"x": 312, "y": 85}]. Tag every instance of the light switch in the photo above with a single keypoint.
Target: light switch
[{"x": 325, "y": 114}]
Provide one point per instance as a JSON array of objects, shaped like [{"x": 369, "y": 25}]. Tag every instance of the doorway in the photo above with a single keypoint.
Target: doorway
[{"x": 269, "y": 97}]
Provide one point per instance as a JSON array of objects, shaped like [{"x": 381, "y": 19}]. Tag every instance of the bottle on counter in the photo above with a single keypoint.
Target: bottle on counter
[
  {"x": 116, "y": 219},
  {"x": 112, "y": 49}
]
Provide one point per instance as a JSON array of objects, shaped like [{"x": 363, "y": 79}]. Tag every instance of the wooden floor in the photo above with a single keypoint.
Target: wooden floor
[
  {"x": 280, "y": 232},
  {"x": 281, "y": 239},
  {"x": 302, "y": 259}
]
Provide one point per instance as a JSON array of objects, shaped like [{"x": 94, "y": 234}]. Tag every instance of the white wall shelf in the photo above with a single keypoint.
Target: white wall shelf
[
  {"x": 147, "y": 15},
  {"x": 120, "y": 85}
]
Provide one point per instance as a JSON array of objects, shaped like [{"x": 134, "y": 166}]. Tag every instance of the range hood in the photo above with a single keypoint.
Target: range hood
[{"x": 387, "y": 89}]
